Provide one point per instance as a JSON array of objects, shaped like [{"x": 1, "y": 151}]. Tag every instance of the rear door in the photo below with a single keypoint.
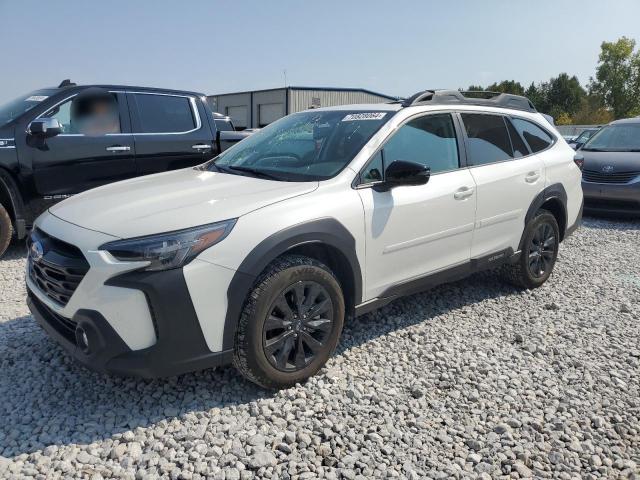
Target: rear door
[
  {"x": 507, "y": 176},
  {"x": 170, "y": 131},
  {"x": 81, "y": 158}
]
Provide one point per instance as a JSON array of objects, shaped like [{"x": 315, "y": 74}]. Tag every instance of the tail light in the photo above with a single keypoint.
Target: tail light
[{"x": 579, "y": 160}]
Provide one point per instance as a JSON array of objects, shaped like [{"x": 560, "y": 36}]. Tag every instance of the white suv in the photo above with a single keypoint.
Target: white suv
[{"x": 259, "y": 256}]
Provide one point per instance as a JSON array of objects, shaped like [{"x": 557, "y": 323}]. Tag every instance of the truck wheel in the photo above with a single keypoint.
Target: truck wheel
[
  {"x": 290, "y": 324},
  {"x": 539, "y": 252},
  {"x": 6, "y": 230}
]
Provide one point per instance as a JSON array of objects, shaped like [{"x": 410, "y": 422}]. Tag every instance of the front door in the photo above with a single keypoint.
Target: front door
[
  {"x": 170, "y": 130},
  {"x": 94, "y": 148},
  {"x": 414, "y": 231}
]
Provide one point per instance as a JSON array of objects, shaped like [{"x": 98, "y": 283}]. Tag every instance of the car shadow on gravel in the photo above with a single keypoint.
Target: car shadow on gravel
[{"x": 48, "y": 399}]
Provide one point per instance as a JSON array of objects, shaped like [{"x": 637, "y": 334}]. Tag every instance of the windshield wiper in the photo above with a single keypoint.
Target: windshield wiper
[{"x": 254, "y": 171}]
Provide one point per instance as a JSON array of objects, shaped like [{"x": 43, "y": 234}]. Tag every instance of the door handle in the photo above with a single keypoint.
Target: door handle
[
  {"x": 463, "y": 192},
  {"x": 201, "y": 147},
  {"x": 118, "y": 148},
  {"x": 532, "y": 177}
]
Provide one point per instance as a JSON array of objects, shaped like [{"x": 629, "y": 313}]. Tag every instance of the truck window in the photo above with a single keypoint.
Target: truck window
[
  {"x": 88, "y": 115},
  {"x": 163, "y": 114},
  {"x": 224, "y": 126}
]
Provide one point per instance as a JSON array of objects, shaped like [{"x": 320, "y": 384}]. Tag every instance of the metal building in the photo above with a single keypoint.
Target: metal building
[{"x": 258, "y": 108}]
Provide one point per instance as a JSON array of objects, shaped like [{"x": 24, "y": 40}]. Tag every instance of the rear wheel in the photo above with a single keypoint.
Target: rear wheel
[
  {"x": 6, "y": 230},
  {"x": 539, "y": 252},
  {"x": 290, "y": 324}
]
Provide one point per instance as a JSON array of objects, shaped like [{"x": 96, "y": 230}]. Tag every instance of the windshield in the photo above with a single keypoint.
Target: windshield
[
  {"x": 15, "y": 108},
  {"x": 306, "y": 146},
  {"x": 616, "y": 138}
]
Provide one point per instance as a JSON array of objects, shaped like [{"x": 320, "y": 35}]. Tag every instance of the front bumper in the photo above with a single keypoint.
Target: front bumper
[
  {"x": 101, "y": 349},
  {"x": 145, "y": 324},
  {"x": 616, "y": 199}
]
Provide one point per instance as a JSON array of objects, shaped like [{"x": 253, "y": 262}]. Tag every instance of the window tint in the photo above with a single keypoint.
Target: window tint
[
  {"x": 89, "y": 115},
  {"x": 536, "y": 137},
  {"x": 164, "y": 114},
  {"x": 429, "y": 140},
  {"x": 488, "y": 138},
  {"x": 373, "y": 172},
  {"x": 224, "y": 126},
  {"x": 519, "y": 147}
]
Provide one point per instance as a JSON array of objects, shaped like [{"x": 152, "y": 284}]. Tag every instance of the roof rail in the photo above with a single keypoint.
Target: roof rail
[{"x": 487, "y": 99}]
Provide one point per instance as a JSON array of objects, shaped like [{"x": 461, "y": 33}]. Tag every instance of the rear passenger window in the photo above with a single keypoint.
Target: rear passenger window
[
  {"x": 429, "y": 140},
  {"x": 488, "y": 138},
  {"x": 519, "y": 147},
  {"x": 164, "y": 114},
  {"x": 536, "y": 137}
]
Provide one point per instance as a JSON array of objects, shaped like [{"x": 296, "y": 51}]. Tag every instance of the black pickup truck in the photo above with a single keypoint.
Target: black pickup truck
[{"x": 57, "y": 142}]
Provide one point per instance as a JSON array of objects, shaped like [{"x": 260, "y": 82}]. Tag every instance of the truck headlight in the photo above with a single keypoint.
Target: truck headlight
[{"x": 165, "y": 251}]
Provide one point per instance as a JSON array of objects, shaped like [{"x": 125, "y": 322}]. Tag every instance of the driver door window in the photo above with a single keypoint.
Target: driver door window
[{"x": 88, "y": 115}]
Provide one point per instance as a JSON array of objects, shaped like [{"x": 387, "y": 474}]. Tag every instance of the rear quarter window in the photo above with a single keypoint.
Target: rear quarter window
[{"x": 537, "y": 138}]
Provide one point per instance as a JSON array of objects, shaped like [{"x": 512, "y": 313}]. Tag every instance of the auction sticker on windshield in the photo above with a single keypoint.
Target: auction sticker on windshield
[
  {"x": 352, "y": 117},
  {"x": 36, "y": 98}
]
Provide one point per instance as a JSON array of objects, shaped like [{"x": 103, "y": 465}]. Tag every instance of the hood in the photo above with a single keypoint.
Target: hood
[
  {"x": 172, "y": 201},
  {"x": 619, "y": 161}
]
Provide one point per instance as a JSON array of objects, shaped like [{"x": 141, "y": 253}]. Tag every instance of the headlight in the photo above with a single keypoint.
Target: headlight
[{"x": 169, "y": 250}]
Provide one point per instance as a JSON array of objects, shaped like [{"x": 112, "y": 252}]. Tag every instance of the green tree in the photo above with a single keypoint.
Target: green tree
[
  {"x": 618, "y": 77},
  {"x": 565, "y": 94},
  {"x": 507, "y": 86}
]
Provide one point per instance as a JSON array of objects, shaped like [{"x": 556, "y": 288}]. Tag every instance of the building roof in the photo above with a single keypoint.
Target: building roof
[{"x": 324, "y": 89}]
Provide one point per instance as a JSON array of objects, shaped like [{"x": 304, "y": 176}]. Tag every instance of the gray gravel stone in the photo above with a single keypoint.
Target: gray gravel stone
[{"x": 471, "y": 380}]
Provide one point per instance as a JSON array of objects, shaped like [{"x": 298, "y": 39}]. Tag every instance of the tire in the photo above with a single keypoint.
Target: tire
[
  {"x": 539, "y": 254},
  {"x": 304, "y": 305},
  {"x": 6, "y": 230}
]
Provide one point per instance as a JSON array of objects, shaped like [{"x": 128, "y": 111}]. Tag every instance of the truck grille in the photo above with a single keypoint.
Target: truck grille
[
  {"x": 56, "y": 267},
  {"x": 593, "y": 176}
]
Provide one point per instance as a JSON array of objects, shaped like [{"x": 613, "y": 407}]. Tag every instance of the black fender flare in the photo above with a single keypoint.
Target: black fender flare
[
  {"x": 8, "y": 185},
  {"x": 326, "y": 231},
  {"x": 555, "y": 191}
]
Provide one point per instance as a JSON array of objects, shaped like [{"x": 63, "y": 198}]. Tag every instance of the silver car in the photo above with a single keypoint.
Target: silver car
[{"x": 611, "y": 169}]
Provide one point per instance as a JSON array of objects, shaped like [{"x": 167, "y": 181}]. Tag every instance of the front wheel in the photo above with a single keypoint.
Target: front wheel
[
  {"x": 539, "y": 252},
  {"x": 6, "y": 230},
  {"x": 290, "y": 324}
]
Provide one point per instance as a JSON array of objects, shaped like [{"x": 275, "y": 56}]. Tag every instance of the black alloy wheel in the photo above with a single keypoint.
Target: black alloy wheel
[
  {"x": 542, "y": 250},
  {"x": 298, "y": 326}
]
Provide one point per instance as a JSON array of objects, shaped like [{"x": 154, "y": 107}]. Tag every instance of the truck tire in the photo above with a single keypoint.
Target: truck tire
[
  {"x": 539, "y": 252},
  {"x": 6, "y": 230},
  {"x": 290, "y": 324}
]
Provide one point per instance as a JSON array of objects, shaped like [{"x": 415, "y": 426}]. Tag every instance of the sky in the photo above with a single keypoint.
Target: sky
[{"x": 394, "y": 47}]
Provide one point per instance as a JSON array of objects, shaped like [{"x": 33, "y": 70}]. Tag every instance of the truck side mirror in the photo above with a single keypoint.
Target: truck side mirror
[{"x": 44, "y": 128}]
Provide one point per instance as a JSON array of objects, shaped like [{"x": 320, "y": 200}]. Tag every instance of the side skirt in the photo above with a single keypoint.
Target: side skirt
[{"x": 449, "y": 275}]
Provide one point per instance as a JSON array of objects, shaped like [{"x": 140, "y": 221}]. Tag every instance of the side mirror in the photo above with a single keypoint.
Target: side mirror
[
  {"x": 578, "y": 159},
  {"x": 44, "y": 128},
  {"x": 402, "y": 173}
]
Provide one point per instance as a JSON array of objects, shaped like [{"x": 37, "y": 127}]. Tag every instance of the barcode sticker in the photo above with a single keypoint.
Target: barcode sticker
[
  {"x": 36, "y": 98},
  {"x": 352, "y": 117}
]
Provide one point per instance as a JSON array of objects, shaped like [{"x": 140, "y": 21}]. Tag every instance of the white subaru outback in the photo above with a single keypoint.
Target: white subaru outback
[{"x": 258, "y": 257}]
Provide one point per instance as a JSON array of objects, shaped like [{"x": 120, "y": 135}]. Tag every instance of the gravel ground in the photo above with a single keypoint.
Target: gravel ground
[{"x": 470, "y": 380}]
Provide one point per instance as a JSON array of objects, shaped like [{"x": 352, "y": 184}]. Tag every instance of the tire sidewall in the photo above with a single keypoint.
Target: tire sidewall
[
  {"x": 283, "y": 279},
  {"x": 6, "y": 230},
  {"x": 543, "y": 217}
]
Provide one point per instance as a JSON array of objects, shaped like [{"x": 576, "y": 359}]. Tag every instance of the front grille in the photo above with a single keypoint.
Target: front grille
[
  {"x": 62, "y": 325},
  {"x": 593, "y": 176},
  {"x": 59, "y": 269}
]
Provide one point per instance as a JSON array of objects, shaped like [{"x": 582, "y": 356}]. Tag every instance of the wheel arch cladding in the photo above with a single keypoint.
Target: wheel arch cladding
[
  {"x": 326, "y": 240},
  {"x": 9, "y": 197},
  {"x": 554, "y": 199}
]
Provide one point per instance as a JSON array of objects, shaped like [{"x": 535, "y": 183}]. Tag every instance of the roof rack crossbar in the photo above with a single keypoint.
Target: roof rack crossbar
[{"x": 483, "y": 98}]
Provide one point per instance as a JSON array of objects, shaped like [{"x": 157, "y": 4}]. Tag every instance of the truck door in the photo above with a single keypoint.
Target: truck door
[
  {"x": 170, "y": 131},
  {"x": 94, "y": 148}
]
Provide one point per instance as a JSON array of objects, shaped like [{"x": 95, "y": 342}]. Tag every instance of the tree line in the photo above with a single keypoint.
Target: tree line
[{"x": 614, "y": 92}]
